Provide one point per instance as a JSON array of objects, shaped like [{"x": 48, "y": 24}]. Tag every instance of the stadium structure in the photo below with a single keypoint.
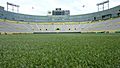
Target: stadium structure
[{"x": 107, "y": 21}]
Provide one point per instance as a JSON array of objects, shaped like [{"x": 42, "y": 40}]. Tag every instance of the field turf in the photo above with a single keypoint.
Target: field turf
[{"x": 60, "y": 51}]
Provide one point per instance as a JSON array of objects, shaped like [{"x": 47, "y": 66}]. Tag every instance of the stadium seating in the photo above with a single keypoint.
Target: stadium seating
[
  {"x": 101, "y": 15},
  {"x": 93, "y": 22},
  {"x": 108, "y": 25}
]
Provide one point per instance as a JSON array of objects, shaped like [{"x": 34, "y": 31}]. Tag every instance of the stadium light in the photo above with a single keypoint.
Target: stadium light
[
  {"x": 103, "y": 3},
  {"x": 13, "y": 5}
]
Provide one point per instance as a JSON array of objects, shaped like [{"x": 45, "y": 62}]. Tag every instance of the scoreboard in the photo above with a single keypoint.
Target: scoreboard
[{"x": 58, "y": 11}]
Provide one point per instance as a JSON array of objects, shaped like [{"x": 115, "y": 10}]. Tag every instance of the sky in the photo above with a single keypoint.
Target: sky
[{"x": 41, "y": 7}]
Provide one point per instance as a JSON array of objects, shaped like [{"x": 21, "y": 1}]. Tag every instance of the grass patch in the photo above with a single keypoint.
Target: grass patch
[{"x": 60, "y": 51}]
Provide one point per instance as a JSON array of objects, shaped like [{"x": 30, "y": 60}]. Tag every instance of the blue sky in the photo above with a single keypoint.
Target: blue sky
[{"x": 41, "y": 7}]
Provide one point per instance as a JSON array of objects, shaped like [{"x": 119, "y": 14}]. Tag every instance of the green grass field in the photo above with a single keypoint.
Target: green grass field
[{"x": 60, "y": 51}]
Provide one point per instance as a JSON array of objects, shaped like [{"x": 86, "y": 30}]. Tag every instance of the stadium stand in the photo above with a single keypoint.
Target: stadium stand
[{"x": 102, "y": 21}]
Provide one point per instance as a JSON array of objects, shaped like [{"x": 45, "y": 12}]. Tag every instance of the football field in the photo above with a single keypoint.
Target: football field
[{"x": 60, "y": 51}]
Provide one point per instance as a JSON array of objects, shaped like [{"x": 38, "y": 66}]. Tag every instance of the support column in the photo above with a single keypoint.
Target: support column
[
  {"x": 7, "y": 6},
  {"x": 103, "y": 7},
  {"x": 98, "y": 7},
  {"x": 13, "y": 8}
]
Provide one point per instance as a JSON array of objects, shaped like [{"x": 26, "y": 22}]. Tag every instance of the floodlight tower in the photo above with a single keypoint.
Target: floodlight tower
[
  {"x": 13, "y": 6},
  {"x": 103, "y": 3}
]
